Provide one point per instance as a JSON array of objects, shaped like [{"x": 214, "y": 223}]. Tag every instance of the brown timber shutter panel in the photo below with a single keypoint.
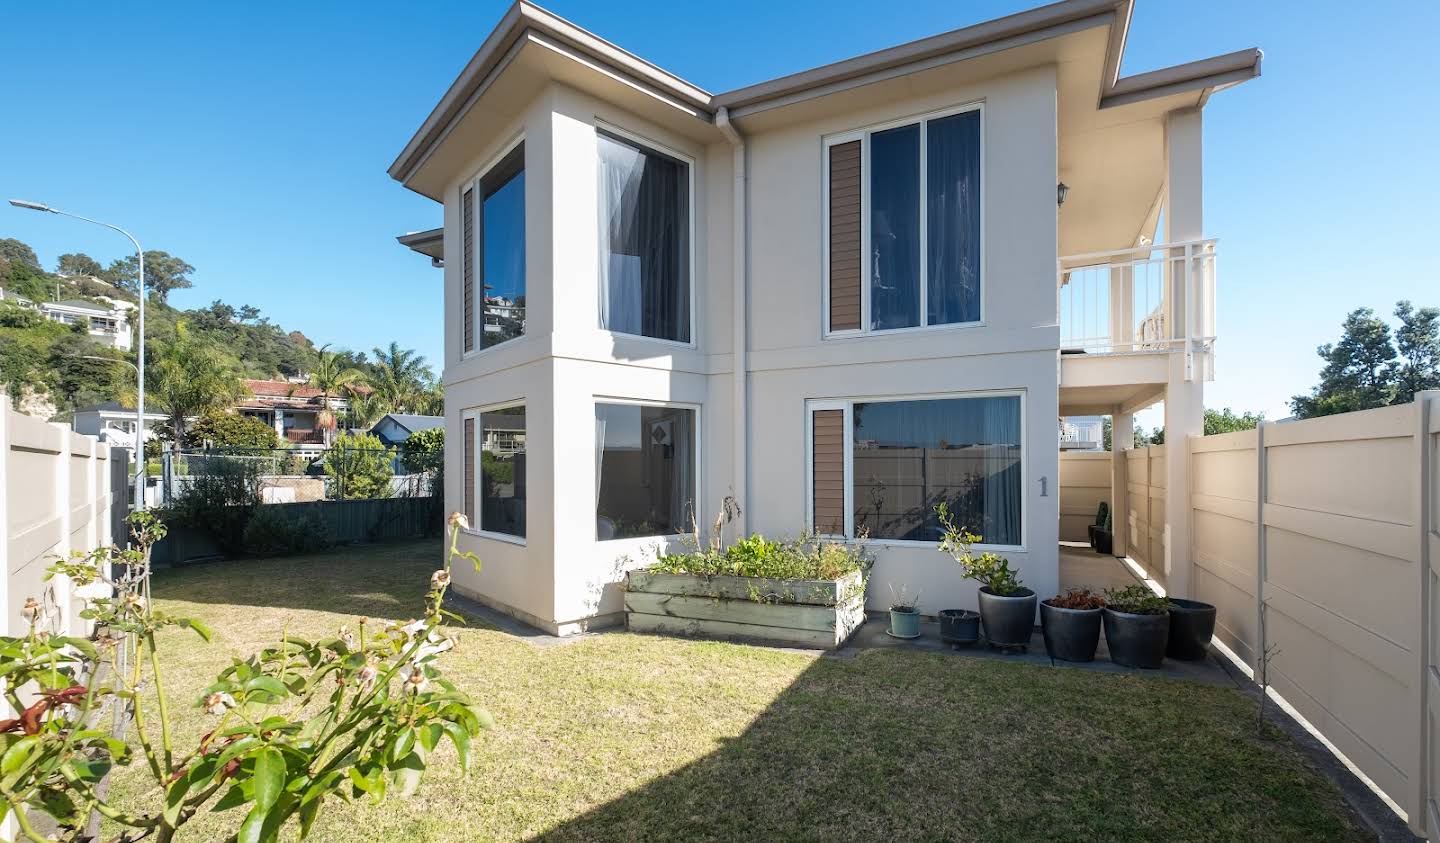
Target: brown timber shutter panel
[
  {"x": 470, "y": 472},
  {"x": 828, "y": 461},
  {"x": 467, "y": 215},
  {"x": 845, "y": 237}
]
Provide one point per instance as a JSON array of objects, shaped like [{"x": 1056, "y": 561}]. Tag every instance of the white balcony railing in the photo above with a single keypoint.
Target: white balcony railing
[{"x": 1146, "y": 299}]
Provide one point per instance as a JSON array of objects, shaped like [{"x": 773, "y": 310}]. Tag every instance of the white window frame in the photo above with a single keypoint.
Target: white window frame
[
  {"x": 476, "y": 413},
  {"x": 863, "y": 135},
  {"x": 847, "y": 405},
  {"x": 636, "y": 544},
  {"x": 644, "y": 142},
  {"x": 478, "y": 197}
]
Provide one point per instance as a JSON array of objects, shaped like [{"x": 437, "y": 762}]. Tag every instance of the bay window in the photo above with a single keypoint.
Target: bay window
[{"x": 644, "y": 470}]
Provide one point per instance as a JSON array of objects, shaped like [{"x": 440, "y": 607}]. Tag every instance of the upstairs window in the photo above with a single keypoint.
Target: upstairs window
[
  {"x": 903, "y": 244},
  {"x": 644, "y": 267},
  {"x": 493, "y": 219}
]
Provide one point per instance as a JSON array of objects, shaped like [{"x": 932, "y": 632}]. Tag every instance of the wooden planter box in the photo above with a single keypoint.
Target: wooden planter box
[{"x": 806, "y": 613}]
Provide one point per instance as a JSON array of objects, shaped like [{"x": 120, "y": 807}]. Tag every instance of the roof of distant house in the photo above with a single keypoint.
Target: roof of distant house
[
  {"x": 115, "y": 407},
  {"x": 280, "y": 389},
  {"x": 79, "y": 304},
  {"x": 412, "y": 422}
]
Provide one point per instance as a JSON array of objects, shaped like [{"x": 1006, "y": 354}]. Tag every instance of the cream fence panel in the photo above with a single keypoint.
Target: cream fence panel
[
  {"x": 1315, "y": 540},
  {"x": 1145, "y": 487},
  {"x": 1084, "y": 483},
  {"x": 57, "y": 491}
]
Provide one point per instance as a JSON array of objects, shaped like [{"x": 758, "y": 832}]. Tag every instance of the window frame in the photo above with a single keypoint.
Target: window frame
[
  {"x": 476, "y": 413},
  {"x": 863, "y": 134},
  {"x": 478, "y": 199},
  {"x": 847, "y": 405},
  {"x": 646, "y": 143},
  {"x": 636, "y": 544}
]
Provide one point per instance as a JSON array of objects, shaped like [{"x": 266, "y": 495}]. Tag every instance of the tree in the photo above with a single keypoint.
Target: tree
[
  {"x": 399, "y": 375},
  {"x": 359, "y": 466},
  {"x": 1359, "y": 371},
  {"x": 1225, "y": 421},
  {"x": 17, "y": 252},
  {"x": 424, "y": 453},
  {"x": 78, "y": 263},
  {"x": 188, "y": 378},
  {"x": 331, "y": 376},
  {"x": 365, "y": 409},
  {"x": 1418, "y": 339},
  {"x": 163, "y": 272},
  {"x": 229, "y": 430}
]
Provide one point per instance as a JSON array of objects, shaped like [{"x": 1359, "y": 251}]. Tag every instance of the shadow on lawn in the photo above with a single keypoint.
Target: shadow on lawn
[
  {"x": 905, "y": 746},
  {"x": 392, "y": 579}
]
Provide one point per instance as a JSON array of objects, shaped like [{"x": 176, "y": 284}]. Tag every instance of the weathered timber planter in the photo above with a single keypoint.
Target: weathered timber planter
[
  {"x": 806, "y": 613},
  {"x": 1070, "y": 634},
  {"x": 959, "y": 626},
  {"x": 1136, "y": 640},
  {"x": 1009, "y": 620},
  {"x": 1192, "y": 624}
]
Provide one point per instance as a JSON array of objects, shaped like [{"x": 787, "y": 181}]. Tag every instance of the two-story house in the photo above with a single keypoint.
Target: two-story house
[{"x": 841, "y": 296}]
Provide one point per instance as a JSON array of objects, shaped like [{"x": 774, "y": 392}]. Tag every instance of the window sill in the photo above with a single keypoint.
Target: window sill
[
  {"x": 480, "y": 352},
  {"x": 891, "y": 332},
  {"x": 499, "y": 537},
  {"x": 908, "y": 543},
  {"x": 621, "y": 335}
]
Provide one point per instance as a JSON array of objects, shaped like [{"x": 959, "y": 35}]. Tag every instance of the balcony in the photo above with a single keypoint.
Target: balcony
[
  {"x": 297, "y": 436},
  {"x": 1123, "y": 316}
]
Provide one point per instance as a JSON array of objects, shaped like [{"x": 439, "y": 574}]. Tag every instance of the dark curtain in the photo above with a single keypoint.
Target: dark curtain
[
  {"x": 895, "y": 228},
  {"x": 953, "y": 235}
]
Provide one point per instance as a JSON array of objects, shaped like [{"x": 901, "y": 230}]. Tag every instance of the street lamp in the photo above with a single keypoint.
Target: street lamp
[{"x": 140, "y": 369}]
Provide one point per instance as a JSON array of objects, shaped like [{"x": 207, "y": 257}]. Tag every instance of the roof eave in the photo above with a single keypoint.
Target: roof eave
[{"x": 1206, "y": 75}]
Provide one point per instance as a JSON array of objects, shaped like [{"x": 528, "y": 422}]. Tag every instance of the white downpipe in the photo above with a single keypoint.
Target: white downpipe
[{"x": 739, "y": 343}]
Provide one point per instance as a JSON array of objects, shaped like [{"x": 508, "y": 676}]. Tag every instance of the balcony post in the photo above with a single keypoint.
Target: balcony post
[
  {"x": 1185, "y": 389},
  {"x": 1122, "y": 439},
  {"x": 1122, "y": 306}
]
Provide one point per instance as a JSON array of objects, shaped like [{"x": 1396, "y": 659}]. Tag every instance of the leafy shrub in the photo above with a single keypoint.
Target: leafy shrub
[
  {"x": 271, "y": 533},
  {"x": 1136, "y": 600},
  {"x": 424, "y": 453},
  {"x": 357, "y": 467},
  {"x": 989, "y": 569},
  {"x": 805, "y": 558},
  {"x": 229, "y": 430},
  {"x": 1077, "y": 598},
  {"x": 222, "y": 495}
]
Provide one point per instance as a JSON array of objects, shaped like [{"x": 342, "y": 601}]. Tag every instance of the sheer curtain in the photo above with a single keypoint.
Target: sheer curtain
[
  {"x": 644, "y": 242},
  {"x": 1001, "y": 434},
  {"x": 953, "y": 236}
]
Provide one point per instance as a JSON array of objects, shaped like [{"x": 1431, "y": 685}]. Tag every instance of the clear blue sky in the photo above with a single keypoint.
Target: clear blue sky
[{"x": 252, "y": 140}]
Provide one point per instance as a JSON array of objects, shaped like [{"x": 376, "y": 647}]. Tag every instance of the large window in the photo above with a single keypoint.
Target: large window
[
  {"x": 907, "y": 456},
  {"x": 920, "y": 231},
  {"x": 500, "y": 220},
  {"x": 502, "y": 471},
  {"x": 644, "y": 266},
  {"x": 644, "y": 470}
]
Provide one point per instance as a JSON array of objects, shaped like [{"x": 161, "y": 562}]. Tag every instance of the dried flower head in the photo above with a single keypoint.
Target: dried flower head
[
  {"x": 31, "y": 610},
  {"x": 218, "y": 702},
  {"x": 458, "y": 519},
  {"x": 439, "y": 580},
  {"x": 367, "y": 677},
  {"x": 347, "y": 636},
  {"x": 414, "y": 677}
]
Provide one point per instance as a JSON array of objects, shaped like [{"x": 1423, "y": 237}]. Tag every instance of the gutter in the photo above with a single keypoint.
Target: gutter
[{"x": 739, "y": 367}]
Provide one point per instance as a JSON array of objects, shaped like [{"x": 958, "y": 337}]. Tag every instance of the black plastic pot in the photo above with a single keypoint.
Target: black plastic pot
[
  {"x": 1008, "y": 621},
  {"x": 1104, "y": 541},
  {"x": 1136, "y": 640},
  {"x": 1070, "y": 634},
  {"x": 959, "y": 626},
  {"x": 1192, "y": 624}
]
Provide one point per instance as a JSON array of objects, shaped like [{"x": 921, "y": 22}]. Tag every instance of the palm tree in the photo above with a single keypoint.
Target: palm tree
[
  {"x": 366, "y": 408},
  {"x": 331, "y": 376},
  {"x": 187, "y": 378},
  {"x": 400, "y": 375}
]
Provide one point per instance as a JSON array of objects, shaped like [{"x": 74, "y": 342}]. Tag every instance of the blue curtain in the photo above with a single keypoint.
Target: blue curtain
[
  {"x": 895, "y": 228},
  {"x": 953, "y": 225}
]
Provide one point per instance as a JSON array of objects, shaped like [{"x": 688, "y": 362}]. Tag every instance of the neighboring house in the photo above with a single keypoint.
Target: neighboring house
[
  {"x": 114, "y": 424},
  {"x": 107, "y": 323},
  {"x": 17, "y": 299},
  {"x": 842, "y": 296},
  {"x": 1082, "y": 433},
  {"x": 292, "y": 408},
  {"x": 395, "y": 428}
]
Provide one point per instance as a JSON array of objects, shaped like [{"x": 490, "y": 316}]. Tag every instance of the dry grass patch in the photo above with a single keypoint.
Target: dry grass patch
[{"x": 626, "y": 737}]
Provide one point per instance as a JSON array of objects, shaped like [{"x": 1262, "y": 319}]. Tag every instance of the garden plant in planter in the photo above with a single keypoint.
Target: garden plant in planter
[
  {"x": 904, "y": 613},
  {"x": 1007, "y": 607},
  {"x": 1137, "y": 626},
  {"x": 1071, "y": 624}
]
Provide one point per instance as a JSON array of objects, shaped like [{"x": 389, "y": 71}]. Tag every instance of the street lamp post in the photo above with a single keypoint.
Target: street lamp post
[{"x": 140, "y": 369}]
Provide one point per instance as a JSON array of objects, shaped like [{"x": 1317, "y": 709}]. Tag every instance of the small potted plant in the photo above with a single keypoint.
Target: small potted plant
[
  {"x": 1137, "y": 626},
  {"x": 1192, "y": 625},
  {"x": 904, "y": 613},
  {"x": 959, "y": 627},
  {"x": 1071, "y": 624},
  {"x": 1007, "y": 607}
]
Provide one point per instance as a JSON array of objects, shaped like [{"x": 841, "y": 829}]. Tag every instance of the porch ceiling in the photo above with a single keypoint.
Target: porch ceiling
[{"x": 1105, "y": 400}]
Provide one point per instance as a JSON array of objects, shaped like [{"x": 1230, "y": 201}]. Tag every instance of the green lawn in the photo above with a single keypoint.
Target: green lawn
[{"x": 627, "y": 737}]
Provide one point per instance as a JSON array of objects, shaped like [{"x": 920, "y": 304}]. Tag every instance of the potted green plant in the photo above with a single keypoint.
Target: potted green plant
[
  {"x": 1007, "y": 607},
  {"x": 1192, "y": 625},
  {"x": 904, "y": 613},
  {"x": 1137, "y": 626},
  {"x": 1105, "y": 536},
  {"x": 1070, "y": 623}
]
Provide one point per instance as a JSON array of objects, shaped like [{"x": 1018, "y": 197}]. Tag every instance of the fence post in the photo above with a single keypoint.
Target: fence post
[
  {"x": 1420, "y": 809},
  {"x": 1261, "y": 563}
]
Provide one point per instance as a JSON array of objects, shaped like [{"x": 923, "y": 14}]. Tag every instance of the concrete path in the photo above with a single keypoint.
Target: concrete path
[{"x": 1081, "y": 567}]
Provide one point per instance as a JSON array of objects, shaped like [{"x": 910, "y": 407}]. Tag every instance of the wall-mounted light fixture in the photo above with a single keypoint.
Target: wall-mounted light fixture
[{"x": 1061, "y": 191}]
